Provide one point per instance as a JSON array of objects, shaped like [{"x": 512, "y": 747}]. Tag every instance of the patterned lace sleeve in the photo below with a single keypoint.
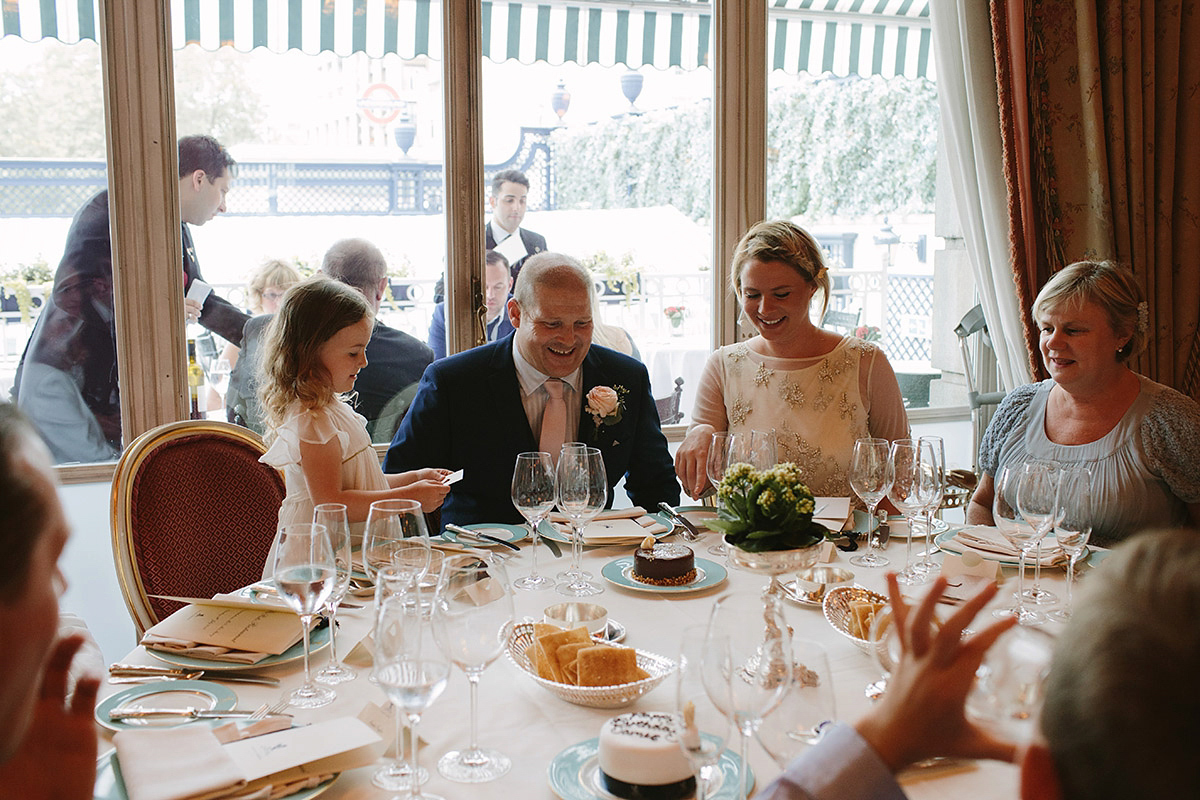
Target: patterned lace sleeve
[
  {"x": 1171, "y": 441},
  {"x": 1010, "y": 415}
]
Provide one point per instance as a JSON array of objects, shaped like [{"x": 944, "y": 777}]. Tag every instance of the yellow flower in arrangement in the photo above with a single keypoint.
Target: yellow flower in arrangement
[{"x": 768, "y": 509}]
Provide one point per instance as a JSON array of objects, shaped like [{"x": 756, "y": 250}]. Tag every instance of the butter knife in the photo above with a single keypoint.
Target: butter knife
[
  {"x": 691, "y": 533},
  {"x": 190, "y": 713},
  {"x": 151, "y": 671},
  {"x": 479, "y": 535}
]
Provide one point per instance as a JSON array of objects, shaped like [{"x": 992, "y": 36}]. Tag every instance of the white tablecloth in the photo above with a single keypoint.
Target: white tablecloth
[{"x": 524, "y": 721}]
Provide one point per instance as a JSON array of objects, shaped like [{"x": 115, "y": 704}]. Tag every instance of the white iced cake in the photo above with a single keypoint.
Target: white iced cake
[{"x": 641, "y": 760}]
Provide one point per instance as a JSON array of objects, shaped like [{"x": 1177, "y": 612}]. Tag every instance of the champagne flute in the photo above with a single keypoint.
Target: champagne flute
[
  {"x": 218, "y": 375},
  {"x": 746, "y": 668},
  {"x": 533, "y": 495},
  {"x": 397, "y": 583},
  {"x": 472, "y": 620},
  {"x": 721, "y": 453},
  {"x": 1072, "y": 524},
  {"x": 395, "y": 534},
  {"x": 582, "y": 490},
  {"x": 937, "y": 491},
  {"x": 700, "y": 728},
  {"x": 869, "y": 480},
  {"x": 411, "y": 671},
  {"x": 807, "y": 709},
  {"x": 333, "y": 517},
  {"x": 305, "y": 575},
  {"x": 1035, "y": 499},
  {"x": 909, "y": 489}
]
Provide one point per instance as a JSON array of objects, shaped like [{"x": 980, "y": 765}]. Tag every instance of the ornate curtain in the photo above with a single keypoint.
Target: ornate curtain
[{"x": 1098, "y": 104}]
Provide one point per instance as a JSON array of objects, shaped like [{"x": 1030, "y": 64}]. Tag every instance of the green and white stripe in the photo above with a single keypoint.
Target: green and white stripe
[{"x": 842, "y": 37}]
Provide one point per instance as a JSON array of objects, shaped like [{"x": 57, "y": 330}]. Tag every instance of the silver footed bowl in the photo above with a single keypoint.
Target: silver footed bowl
[{"x": 774, "y": 562}]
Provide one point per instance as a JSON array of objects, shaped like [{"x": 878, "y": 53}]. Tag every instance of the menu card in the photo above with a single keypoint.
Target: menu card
[
  {"x": 226, "y": 624},
  {"x": 832, "y": 512}
]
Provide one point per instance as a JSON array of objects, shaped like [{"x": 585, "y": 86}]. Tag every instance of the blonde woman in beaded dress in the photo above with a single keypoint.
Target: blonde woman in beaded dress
[{"x": 816, "y": 390}]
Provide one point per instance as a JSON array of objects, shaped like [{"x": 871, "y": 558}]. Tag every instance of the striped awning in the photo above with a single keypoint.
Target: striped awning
[{"x": 841, "y": 37}]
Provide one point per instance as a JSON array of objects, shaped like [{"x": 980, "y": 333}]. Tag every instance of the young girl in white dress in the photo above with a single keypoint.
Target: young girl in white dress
[{"x": 315, "y": 346}]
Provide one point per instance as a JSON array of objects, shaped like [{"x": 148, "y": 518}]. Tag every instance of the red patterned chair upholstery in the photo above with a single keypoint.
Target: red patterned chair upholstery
[{"x": 193, "y": 514}]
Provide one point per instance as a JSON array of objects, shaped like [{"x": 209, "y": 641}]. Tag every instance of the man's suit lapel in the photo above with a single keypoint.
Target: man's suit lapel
[{"x": 594, "y": 375}]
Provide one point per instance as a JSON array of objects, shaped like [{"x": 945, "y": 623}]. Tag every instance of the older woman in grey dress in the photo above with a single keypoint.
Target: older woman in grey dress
[{"x": 1140, "y": 438}]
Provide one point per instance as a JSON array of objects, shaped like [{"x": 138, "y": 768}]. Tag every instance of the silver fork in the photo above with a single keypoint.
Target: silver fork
[{"x": 270, "y": 710}]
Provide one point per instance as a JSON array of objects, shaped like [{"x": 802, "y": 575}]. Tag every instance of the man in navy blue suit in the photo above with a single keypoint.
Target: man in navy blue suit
[{"x": 541, "y": 386}]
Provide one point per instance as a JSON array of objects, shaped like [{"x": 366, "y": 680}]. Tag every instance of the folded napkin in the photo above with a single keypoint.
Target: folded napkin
[
  {"x": 989, "y": 542},
  {"x": 612, "y": 513},
  {"x": 178, "y": 763},
  {"x": 614, "y": 531},
  {"x": 183, "y": 647}
]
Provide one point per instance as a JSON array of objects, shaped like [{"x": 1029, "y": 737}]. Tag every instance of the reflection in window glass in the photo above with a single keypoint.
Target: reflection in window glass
[
  {"x": 57, "y": 349},
  {"x": 624, "y": 187},
  {"x": 330, "y": 148}
]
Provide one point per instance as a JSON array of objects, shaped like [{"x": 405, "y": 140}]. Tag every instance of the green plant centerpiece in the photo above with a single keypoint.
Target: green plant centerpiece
[{"x": 766, "y": 516}]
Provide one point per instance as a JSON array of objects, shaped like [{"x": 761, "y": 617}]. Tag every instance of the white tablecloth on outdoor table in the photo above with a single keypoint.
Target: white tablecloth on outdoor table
[{"x": 529, "y": 724}]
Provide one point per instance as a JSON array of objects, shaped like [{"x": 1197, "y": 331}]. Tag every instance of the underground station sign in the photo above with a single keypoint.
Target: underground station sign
[{"x": 380, "y": 103}]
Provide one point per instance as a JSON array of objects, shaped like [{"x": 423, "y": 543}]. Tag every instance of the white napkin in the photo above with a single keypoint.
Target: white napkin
[
  {"x": 989, "y": 543},
  {"x": 612, "y": 513},
  {"x": 178, "y": 763},
  {"x": 181, "y": 647},
  {"x": 614, "y": 531}
]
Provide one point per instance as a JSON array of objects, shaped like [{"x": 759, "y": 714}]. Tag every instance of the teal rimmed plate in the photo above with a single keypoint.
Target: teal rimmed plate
[
  {"x": 509, "y": 533},
  {"x": 708, "y": 575},
  {"x": 945, "y": 541},
  {"x": 203, "y": 695},
  {"x": 320, "y": 640},
  {"x": 548, "y": 531},
  {"x": 575, "y": 774},
  {"x": 110, "y": 785}
]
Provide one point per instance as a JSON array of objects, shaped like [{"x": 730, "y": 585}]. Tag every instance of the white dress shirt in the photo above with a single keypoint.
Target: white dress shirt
[{"x": 534, "y": 396}]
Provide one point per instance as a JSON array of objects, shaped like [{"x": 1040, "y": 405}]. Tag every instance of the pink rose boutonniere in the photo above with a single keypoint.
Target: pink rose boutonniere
[{"x": 606, "y": 405}]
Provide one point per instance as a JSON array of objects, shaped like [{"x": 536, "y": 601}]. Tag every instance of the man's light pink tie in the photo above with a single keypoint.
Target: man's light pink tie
[{"x": 554, "y": 420}]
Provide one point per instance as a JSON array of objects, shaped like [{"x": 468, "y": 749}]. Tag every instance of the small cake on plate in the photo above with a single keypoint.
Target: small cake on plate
[
  {"x": 641, "y": 760},
  {"x": 663, "y": 564}
]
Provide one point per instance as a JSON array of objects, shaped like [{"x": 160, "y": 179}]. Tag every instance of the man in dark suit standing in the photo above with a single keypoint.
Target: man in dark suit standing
[
  {"x": 510, "y": 191},
  {"x": 544, "y": 385},
  {"x": 395, "y": 360},
  {"x": 67, "y": 381}
]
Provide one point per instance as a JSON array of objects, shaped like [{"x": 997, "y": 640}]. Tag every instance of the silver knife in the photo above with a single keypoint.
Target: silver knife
[
  {"x": 477, "y": 535},
  {"x": 190, "y": 713},
  {"x": 691, "y": 533},
  {"x": 151, "y": 671}
]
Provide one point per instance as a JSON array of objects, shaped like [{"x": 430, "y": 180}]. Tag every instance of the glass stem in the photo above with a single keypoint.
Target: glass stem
[
  {"x": 473, "y": 679},
  {"x": 912, "y": 524},
  {"x": 399, "y": 743},
  {"x": 415, "y": 785},
  {"x": 1037, "y": 568},
  {"x": 1070, "y": 580},
  {"x": 334, "y": 661},
  {"x": 744, "y": 773},
  {"x": 534, "y": 538},
  {"x": 306, "y": 623},
  {"x": 1021, "y": 582},
  {"x": 576, "y": 548}
]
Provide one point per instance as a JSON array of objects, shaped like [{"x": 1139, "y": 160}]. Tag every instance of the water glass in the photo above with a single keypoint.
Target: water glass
[
  {"x": 912, "y": 486},
  {"x": 305, "y": 575},
  {"x": 1072, "y": 524},
  {"x": 333, "y": 517},
  {"x": 395, "y": 534},
  {"x": 1010, "y": 684},
  {"x": 582, "y": 492},
  {"x": 722, "y": 452},
  {"x": 1036, "y": 492},
  {"x": 807, "y": 708},
  {"x": 533, "y": 495},
  {"x": 700, "y": 728}
]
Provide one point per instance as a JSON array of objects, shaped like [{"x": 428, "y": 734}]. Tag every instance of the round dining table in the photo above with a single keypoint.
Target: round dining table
[{"x": 532, "y": 726}]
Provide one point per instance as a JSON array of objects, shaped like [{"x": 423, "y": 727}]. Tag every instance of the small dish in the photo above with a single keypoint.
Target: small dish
[
  {"x": 813, "y": 583},
  {"x": 509, "y": 533},
  {"x": 837, "y": 611},
  {"x": 708, "y": 574},
  {"x": 575, "y": 774},
  {"x": 623, "y": 694},
  {"x": 203, "y": 695},
  {"x": 573, "y": 615}
]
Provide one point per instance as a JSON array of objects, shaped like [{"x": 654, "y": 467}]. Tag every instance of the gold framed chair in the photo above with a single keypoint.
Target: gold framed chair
[{"x": 194, "y": 513}]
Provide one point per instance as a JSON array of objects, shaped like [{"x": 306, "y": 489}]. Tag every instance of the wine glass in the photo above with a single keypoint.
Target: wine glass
[
  {"x": 1010, "y": 684},
  {"x": 760, "y": 450},
  {"x": 472, "y": 619},
  {"x": 869, "y": 480},
  {"x": 533, "y": 495},
  {"x": 700, "y": 728},
  {"x": 411, "y": 671},
  {"x": 912, "y": 487},
  {"x": 333, "y": 517},
  {"x": 807, "y": 709},
  {"x": 1036, "y": 492},
  {"x": 305, "y": 575},
  {"x": 937, "y": 491},
  {"x": 746, "y": 667},
  {"x": 218, "y": 375},
  {"x": 1072, "y": 523},
  {"x": 721, "y": 453},
  {"x": 395, "y": 534},
  {"x": 582, "y": 490},
  {"x": 1036, "y": 594}
]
